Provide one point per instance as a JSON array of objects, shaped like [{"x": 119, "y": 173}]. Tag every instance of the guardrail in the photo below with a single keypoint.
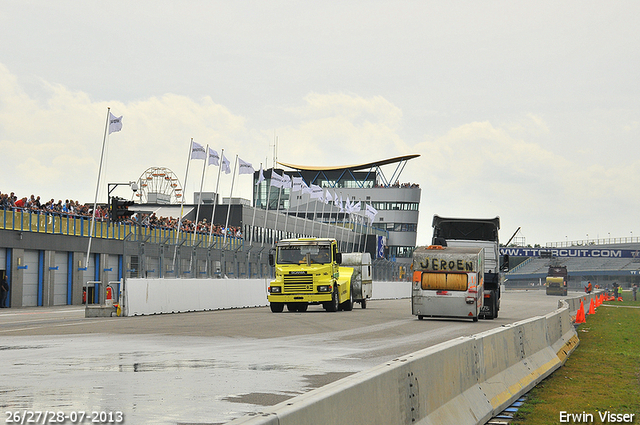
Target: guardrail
[
  {"x": 467, "y": 380},
  {"x": 70, "y": 225}
]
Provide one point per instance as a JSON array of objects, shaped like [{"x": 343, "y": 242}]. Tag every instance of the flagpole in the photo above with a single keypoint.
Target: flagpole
[
  {"x": 253, "y": 220},
  {"x": 335, "y": 234},
  {"x": 186, "y": 174},
  {"x": 195, "y": 227},
  {"x": 315, "y": 208},
  {"x": 359, "y": 238},
  {"x": 266, "y": 209},
  {"x": 324, "y": 204},
  {"x": 366, "y": 229},
  {"x": 286, "y": 217},
  {"x": 295, "y": 224},
  {"x": 306, "y": 211},
  {"x": 226, "y": 224},
  {"x": 213, "y": 211},
  {"x": 275, "y": 226},
  {"x": 95, "y": 200}
]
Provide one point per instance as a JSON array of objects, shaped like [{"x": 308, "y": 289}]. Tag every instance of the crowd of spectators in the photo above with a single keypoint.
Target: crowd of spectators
[
  {"x": 71, "y": 208},
  {"x": 398, "y": 184},
  {"x": 33, "y": 204},
  {"x": 187, "y": 226}
]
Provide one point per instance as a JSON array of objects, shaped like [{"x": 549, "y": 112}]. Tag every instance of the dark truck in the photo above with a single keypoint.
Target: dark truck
[
  {"x": 476, "y": 232},
  {"x": 557, "y": 278}
]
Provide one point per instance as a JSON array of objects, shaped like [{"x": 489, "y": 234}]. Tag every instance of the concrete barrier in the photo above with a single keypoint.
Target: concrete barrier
[
  {"x": 156, "y": 296},
  {"x": 467, "y": 380}
]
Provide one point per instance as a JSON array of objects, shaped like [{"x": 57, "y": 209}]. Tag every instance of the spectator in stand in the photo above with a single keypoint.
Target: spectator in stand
[{"x": 21, "y": 203}]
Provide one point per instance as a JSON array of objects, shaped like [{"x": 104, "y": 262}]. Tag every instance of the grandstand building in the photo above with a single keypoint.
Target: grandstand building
[
  {"x": 393, "y": 231},
  {"x": 601, "y": 264}
]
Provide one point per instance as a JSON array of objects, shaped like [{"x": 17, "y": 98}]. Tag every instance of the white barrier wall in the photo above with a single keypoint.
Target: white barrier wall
[{"x": 155, "y": 296}]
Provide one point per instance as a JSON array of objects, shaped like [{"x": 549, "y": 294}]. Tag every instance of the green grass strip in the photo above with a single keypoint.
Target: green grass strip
[{"x": 601, "y": 375}]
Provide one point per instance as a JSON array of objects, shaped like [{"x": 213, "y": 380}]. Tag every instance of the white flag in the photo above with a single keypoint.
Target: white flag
[
  {"x": 225, "y": 165},
  {"x": 305, "y": 188},
  {"x": 260, "y": 176},
  {"x": 347, "y": 205},
  {"x": 286, "y": 181},
  {"x": 115, "y": 123},
  {"x": 214, "y": 158},
  {"x": 371, "y": 212},
  {"x": 327, "y": 197},
  {"x": 245, "y": 167},
  {"x": 297, "y": 184},
  {"x": 276, "y": 179},
  {"x": 356, "y": 207},
  {"x": 197, "y": 151},
  {"x": 316, "y": 191}
]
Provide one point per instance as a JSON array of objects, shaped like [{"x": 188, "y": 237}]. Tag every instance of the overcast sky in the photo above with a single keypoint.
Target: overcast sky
[{"x": 525, "y": 110}]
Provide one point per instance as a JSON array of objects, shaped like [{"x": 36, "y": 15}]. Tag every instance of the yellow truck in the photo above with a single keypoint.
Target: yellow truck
[
  {"x": 448, "y": 282},
  {"x": 308, "y": 272},
  {"x": 556, "y": 283}
]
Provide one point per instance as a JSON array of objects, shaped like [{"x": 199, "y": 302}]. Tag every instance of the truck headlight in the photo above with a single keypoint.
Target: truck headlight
[
  {"x": 324, "y": 288},
  {"x": 275, "y": 289}
]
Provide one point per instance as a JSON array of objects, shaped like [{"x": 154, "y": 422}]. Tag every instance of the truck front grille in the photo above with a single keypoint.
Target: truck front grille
[{"x": 298, "y": 283}]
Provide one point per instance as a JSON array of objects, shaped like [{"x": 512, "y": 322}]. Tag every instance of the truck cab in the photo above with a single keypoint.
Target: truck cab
[
  {"x": 556, "y": 282},
  {"x": 308, "y": 272},
  {"x": 476, "y": 232}
]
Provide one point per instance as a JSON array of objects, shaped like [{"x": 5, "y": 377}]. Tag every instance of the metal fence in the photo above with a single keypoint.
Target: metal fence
[{"x": 158, "y": 252}]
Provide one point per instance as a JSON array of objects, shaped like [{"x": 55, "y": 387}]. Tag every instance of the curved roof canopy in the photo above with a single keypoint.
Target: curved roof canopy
[{"x": 356, "y": 167}]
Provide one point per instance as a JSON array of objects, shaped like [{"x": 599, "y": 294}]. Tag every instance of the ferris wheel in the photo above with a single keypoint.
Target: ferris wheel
[{"x": 159, "y": 185}]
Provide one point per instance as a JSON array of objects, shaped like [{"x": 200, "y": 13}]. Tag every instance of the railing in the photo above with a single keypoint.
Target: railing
[
  {"x": 70, "y": 225},
  {"x": 589, "y": 242}
]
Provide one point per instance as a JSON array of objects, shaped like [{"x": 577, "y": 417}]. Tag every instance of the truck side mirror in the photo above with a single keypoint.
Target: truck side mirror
[
  {"x": 272, "y": 260},
  {"x": 338, "y": 258}
]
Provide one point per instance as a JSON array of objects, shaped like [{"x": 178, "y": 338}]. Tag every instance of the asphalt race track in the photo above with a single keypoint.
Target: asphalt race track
[{"x": 210, "y": 367}]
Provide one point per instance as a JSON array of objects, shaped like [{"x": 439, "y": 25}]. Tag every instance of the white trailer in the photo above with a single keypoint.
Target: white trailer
[
  {"x": 361, "y": 281},
  {"x": 448, "y": 282}
]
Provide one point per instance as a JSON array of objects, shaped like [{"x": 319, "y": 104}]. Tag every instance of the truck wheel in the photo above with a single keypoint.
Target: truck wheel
[
  {"x": 492, "y": 311},
  {"x": 348, "y": 304},
  {"x": 363, "y": 303},
  {"x": 302, "y": 307},
  {"x": 276, "y": 307},
  {"x": 333, "y": 305},
  {"x": 293, "y": 307}
]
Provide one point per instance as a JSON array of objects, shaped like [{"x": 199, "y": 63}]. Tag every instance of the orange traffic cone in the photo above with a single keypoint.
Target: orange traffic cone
[
  {"x": 598, "y": 301},
  {"x": 592, "y": 307},
  {"x": 580, "y": 315}
]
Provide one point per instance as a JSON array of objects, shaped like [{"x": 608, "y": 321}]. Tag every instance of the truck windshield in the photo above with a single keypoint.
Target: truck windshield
[{"x": 298, "y": 254}]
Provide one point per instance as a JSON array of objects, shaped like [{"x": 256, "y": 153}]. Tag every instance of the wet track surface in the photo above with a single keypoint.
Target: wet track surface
[{"x": 210, "y": 367}]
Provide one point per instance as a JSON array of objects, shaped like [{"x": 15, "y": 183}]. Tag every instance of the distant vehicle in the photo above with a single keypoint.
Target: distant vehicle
[
  {"x": 557, "y": 278},
  {"x": 448, "y": 282},
  {"x": 476, "y": 232},
  {"x": 308, "y": 272}
]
